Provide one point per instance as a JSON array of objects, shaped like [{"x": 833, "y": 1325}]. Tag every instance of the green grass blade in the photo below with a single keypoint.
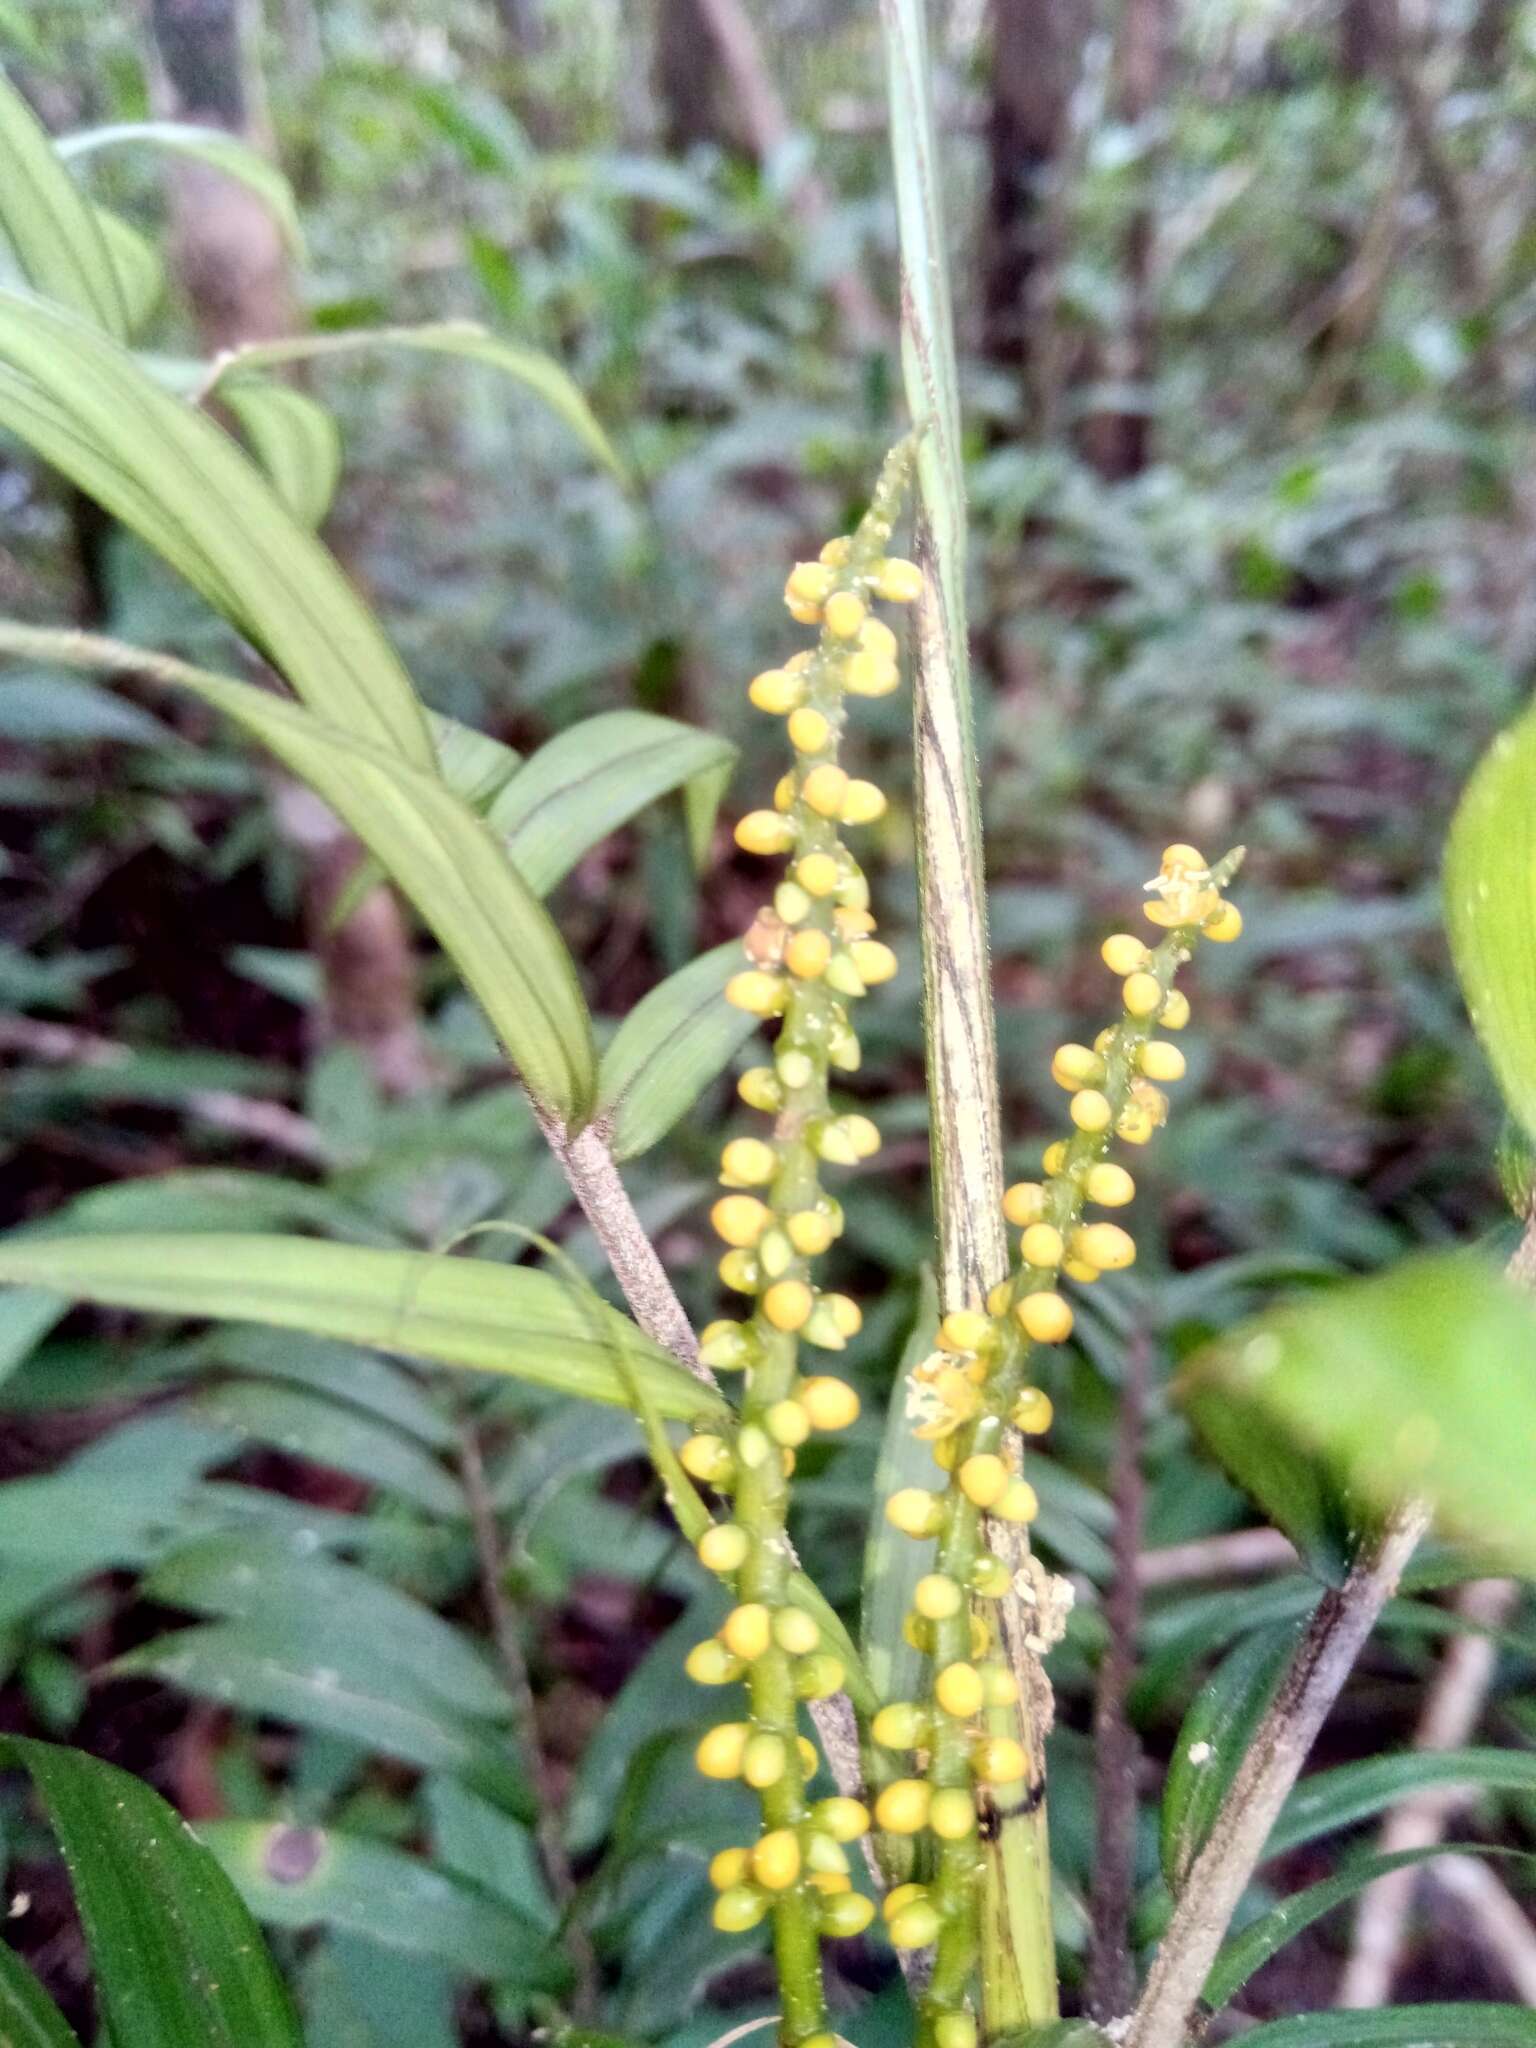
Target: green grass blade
[{"x": 53, "y": 229}]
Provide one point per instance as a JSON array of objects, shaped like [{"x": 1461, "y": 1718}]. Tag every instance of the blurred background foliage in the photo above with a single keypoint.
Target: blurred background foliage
[{"x": 1246, "y": 294}]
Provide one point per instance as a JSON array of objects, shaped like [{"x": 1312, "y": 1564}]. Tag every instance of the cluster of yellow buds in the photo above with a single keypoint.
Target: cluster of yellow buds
[
  {"x": 810, "y": 952},
  {"x": 965, "y": 1396}
]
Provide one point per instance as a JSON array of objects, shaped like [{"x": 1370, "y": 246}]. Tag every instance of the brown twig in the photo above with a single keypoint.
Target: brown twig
[
  {"x": 1241, "y": 1553},
  {"x": 270, "y": 1123},
  {"x": 1324, "y": 1658},
  {"x": 525, "y": 1727},
  {"x": 1111, "y": 1984}
]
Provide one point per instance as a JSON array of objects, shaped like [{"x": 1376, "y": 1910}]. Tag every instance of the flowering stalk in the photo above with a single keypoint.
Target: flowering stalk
[
  {"x": 963, "y": 1399},
  {"x": 812, "y": 951}
]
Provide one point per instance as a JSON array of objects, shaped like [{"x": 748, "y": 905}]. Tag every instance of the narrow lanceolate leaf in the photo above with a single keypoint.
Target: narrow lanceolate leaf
[
  {"x": 52, "y": 227},
  {"x": 529, "y": 367},
  {"x": 1490, "y": 910},
  {"x": 507, "y": 1319},
  {"x": 28, "y": 2016},
  {"x": 183, "y": 485},
  {"x": 1419, "y": 1383},
  {"x": 1249, "y": 1951},
  {"x": 1350, "y": 1793},
  {"x": 328, "y": 1432},
  {"x": 432, "y": 845},
  {"x": 215, "y": 147},
  {"x": 894, "y": 1563},
  {"x": 1211, "y": 1744},
  {"x": 296, "y": 441},
  {"x": 591, "y": 779},
  {"x": 140, "y": 271},
  {"x": 1403, "y": 2026},
  {"x": 178, "y": 1961},
  {"x": 306, "y": 1877},
  {"x": 668, "y": 1050}
]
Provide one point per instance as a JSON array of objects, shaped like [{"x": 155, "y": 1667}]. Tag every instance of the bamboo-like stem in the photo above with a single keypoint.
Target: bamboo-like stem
[
  {"x": 1017, "y": 1941},
  {"x": 1220, "y": 1874}
]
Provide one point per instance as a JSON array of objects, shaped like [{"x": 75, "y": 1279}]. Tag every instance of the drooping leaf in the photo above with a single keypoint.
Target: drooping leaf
[
  {"x": 296, "y": 441},
  {"x": 182, "y": 484},
  {"x": 306, "y": 1877},
  {"x": 592, "y": 778},
  {"x": 1212, "y": 1742},
  {"x": 1349, "y": 1793},
  {"x": 443, "y": 857},
  {"x": 140, "y": 270},
  {"x": 28, "y": 2016},
  {"x": 329, "y": 1433},
  {"x": 671, "y": 1046},
  {"x": 1403, "y": 2026},
  {"x": 1249, "y": 1951},
  {"x": 893, "y": 1563},
  {"x": 464, "y": 1312},
  {"x": 27, "y": 1314},
  {"x": 177, "y": 1959},
  {"x": 215, "y": 147},
  {"x": 1420, "y": 1382},
  {"x": 479, "y": 1842},
  {"x": 529, "y": 367},
  {"x": 53, "y": 228},
  {"x": 1490, "y": 910},
  {"x": 63, "y": 707}
]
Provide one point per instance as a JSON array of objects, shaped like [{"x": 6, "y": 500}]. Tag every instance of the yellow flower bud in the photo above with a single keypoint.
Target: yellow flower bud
[
  {"x": 791, "y": 903},
  {"x": 983, "y": 1478},
  {"x": 898, "y": 581},
  {"x": 763, "y": 1761},
  {"x": 1174, "y": 1014},
  {"x": 870, "y": 674},
  {"x": 748, "y": 1162},
  {"x": 876, "y": 637},
  {"x": 1041, "y": 1245},
  {"x": 954, "y": 2030},
  {"x": 724, "y": 1346},
  {"x": 1019, "y": 1504},
  {"x": 999, "y": 1760},
  {"x": 1044, "y": 1317},
  {"x": 739, "y": 1909},
  {"x": 807, "y": 954},
  {"x": 808, "y": 730},
  {"x": 818, "y": 874},
  {"x": 759, "y": 1088},
  {"x": 964, "y": 1329},
  {"x": 843, "y": 1819},
  {"x": 998, "y": 1298},
  {"x": 835, "y": 552},
  {"x": 725, "y": 1547},
  {"x": 1224, "y": 925},
  {"x": 785, "y": 791},
  {"x": 1109, "y": 1185},
  {"x": 795, "y": 1069},
  {"x": 901, "y": 1725},
  {"x": 747, "y": 1630},
  {"x": 952, "y": 1814},
  {"x": 809, "y": 583},
  {"x": 809, "y": 1231},
  {"x": 958, "y": 1690},
  {"x": 819, "y": 1676},
  {"x": 776, "y": 690},
  {"x": 759, "y": 994},
  {"x": 1054, "y": 1157},
  {"x": 843, "y": 976},
  {"x": 863, "y": 803},
  {"x": 788, "y": 1304},
  {"x": 720, "y": 1753},
  {"x": 1024, "y": 1202},
  {"x": 1123, "y": 953},
  {"x": 795, "y": 1631},
  {"x": 775, "y": 1254},
  {"x": 810, "y": 1762},
  {"x": 1032, "y": 1411},
  {"x": 1141, "y": 994},
  {"x": 776, "y": 1860},
  {"x": 739, "y": 1270},
  {"x": 915, "y": 1511},
  {"x": 1091, "y": 1112},
  {"x": 864, "y": 1135},
  {"x": 1160, "y": 1061},
  {"x": 740, "y": 1219},
  {"x": 990, "y": 1576},
  {"x": 1075, "y": 1269},
  {"x": 823, "y": 789},
  {"x": 899, "y": 1897},
  {"x": 707, "y": 1458},
  {"x": 729, "y": 1867},
  {"x": 829, "y": 1403},
  {"x": 711, "y": 1663},
  {"x": 764, "y": 832},
  {"x": 847, "y": 1914},
  {"x": 915, "y": 1926},
  {"x": 1075, "y": 1066},
  {"x": 874, "y": 960},
  {"x": 787, "y": 1423},
  {"x": 1181, "y": 855},
  {"x": 936, "y": 1597},
  {"x": 845, "y": 612},
  {"x": 902, "y": 1807},
  {"x": 1104, "y": 1245}
]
